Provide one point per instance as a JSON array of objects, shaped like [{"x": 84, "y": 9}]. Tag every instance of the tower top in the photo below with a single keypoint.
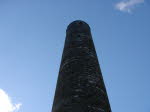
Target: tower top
[{"x": 78, "y": 26}]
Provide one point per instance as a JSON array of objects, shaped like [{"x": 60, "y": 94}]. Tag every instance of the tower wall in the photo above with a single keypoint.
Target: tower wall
[{"x": 80, "y": 86}]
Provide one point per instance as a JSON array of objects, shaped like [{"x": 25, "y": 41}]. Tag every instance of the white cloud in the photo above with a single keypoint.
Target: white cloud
[
  {"x": 128, "y": 5},
  {"x": 6, "y": 104}
]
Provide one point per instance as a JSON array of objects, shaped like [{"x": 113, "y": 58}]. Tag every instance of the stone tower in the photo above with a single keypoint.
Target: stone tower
[{"x": 80, "y": 86}]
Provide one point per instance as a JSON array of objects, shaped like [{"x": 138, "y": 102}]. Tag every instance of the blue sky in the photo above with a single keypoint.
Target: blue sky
[{"x": 32, "y": 34}]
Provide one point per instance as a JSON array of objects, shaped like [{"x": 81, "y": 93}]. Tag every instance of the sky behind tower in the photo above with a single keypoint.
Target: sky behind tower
[{"x": 32, "y": 35}]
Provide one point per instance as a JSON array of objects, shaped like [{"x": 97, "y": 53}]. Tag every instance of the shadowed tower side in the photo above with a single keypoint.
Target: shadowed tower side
[{"x": 80, "y": 86}]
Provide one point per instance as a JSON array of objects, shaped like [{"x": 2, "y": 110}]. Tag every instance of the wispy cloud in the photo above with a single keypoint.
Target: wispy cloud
[
  {"x": 6, "y": 104},
  {"x": 128, "y": 5}
]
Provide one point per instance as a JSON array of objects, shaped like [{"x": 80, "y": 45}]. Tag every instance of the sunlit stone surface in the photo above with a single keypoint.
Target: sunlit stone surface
[{"x": 80, "y": 86}]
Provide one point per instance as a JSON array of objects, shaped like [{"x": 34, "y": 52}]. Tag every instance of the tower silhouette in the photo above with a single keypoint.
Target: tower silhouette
[{"x": 80, "y": 86}]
